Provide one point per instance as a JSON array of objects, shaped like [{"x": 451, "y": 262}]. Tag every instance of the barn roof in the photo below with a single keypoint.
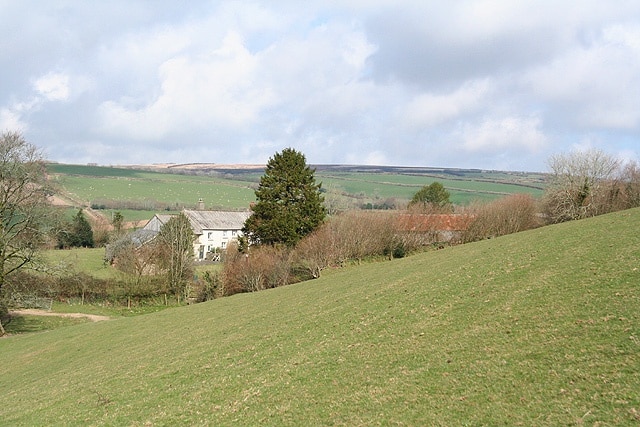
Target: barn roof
[{"x": 434, "y": 222}]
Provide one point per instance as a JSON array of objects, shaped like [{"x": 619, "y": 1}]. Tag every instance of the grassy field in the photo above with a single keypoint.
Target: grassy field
[
  {"x": 95, "y": 184},
  {"x": 85, "y": 260},
  {"x": 536, "y": 328},
  {"x": 29, "y": 324},
  {"x": 463, "y": 191},
  {"x": 91, "y": 261},
  {"x": 156, "y": 192}
]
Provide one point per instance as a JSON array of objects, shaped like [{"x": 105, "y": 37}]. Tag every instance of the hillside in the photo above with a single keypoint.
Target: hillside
[
  {"x": 536, "y": 328},
  {"x": 140, "y": 191}
]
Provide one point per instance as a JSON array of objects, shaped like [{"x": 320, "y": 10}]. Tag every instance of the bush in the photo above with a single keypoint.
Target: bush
[
  {"x": 510, "y": 214},
  {"x": 261, "y": 267},
  {"x": 210, "y": 287},
  {"x": 353, "y": 235},
  {"x": 590, "y": 183},
  {"x": 361, "y": 234}
]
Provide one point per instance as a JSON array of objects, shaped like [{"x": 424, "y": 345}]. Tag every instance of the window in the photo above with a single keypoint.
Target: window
[
  {"x": 224, "y": 233},
  {"x": 234, "y": 233},
  {"x": 210, "y": 235},
  {"x": 224, "y": 245}
]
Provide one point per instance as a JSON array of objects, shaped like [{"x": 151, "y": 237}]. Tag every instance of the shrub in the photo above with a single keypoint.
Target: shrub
[
  {"x": 353, "y": 235},
  {"x": 210, "y": 287},
  {"x": 318, "y": 251},
  {"x": 261, "y": 267},
  {"x": 510, "y": 214},
  {"x": 361, "y": 234}
]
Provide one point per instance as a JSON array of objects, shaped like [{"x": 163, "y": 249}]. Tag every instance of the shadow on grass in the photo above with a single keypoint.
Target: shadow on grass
[{"x": 19, "y": 324}]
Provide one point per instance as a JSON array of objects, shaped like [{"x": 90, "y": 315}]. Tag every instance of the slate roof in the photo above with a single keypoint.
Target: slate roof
[
  {"x": 141, "y": 236},
  {"x": 216, "y": 220}
]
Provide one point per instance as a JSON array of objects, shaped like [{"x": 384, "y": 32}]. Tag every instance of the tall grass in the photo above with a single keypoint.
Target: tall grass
[{"x": 535, "y": 328}]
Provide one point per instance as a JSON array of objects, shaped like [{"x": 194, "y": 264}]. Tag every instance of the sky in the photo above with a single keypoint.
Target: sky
[{"x": 487, "y": 84}]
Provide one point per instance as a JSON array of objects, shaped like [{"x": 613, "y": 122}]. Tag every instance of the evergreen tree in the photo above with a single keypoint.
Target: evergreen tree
[
  {"x": 81, "y": 231},
  {"x": 76, "y": 233},
  {"x": 118, "y": 223},
  {"x": 289, "y": 204}
]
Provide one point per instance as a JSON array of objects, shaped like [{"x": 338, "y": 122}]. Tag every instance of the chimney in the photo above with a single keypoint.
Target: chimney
[{"x": 200, "y": 204}]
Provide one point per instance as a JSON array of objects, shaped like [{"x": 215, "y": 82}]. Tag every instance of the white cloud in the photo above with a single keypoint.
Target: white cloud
[
  {"x": 412, "y": 82},
  {"x": 600, "y": 81},
  {"x": 11, "y": 121},
  {"x": 355, "y": 49},
  {"x": 504, "y": 134},
  {"x": 52, "y": 87},
  {"x": 214, "y": 89},
  {"x": 428, "y": 109}
]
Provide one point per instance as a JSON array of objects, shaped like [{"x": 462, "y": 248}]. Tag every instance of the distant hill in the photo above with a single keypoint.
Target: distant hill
[
  {"x": 536, "y": 328},
  {"x": 140, "y": 191}
]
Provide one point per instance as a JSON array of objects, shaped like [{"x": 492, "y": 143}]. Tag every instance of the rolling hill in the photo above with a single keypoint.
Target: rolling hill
[
  {"x": 140, "y": 191},
  {"x": 535, "y": 328}
]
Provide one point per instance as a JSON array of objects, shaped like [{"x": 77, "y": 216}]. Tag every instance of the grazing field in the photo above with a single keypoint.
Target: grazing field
[
  {"x": 149, "y": 191},
  {"x": 141, "y": 193},
  {"x": 29, "y": 324},
  {"x": 82, "y": 260},
  {"x": 535, "y": 328},
  {"x": 91, "y": 261},
  {"x": 463, "y": 191}
]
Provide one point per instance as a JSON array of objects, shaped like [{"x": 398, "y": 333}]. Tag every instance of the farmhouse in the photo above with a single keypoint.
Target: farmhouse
[{"x": 213, "y": 229}]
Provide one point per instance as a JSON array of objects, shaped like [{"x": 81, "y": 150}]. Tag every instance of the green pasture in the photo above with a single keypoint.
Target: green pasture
[
  {"x": 155, "y": 191},
  {"x": 147, "y": 191},
  {"x": 28, "y": 324},
  {"x": 82, "y": 260},
  {"x": 97, "y": 171},
  {"x": 90, "y": 261},
  {"x": 134, "y": 214},
  {"x": 94, "y": 184},
  {"x": 463, "y": 191},
  {"x": 537, "y": 328}
]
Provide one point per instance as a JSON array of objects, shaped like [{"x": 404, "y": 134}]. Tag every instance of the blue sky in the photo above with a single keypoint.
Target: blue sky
[{"x": 474, "y": 84}]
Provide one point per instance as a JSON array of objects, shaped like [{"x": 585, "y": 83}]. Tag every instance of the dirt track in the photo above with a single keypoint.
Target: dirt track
[{"x": 34, "y": 312}]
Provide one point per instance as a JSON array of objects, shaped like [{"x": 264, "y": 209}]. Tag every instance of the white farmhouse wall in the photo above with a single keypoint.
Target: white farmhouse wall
[
  {"x": 210, "y": 240},
  {"x": 214, "y": 230}
]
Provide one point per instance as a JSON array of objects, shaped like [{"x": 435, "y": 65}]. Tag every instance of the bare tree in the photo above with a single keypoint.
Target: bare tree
[
  {"x": 630, "y": 185},
  {"x": 136, "y": 263},
  {"x": 176, "y": 247},
  {"x": 580, "y": 184},
  {"x": 24, "y": 207}
]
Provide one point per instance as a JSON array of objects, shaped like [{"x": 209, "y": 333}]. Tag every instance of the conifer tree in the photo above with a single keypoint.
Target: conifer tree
[
  {"x": 82, "y": 232},
  {"x": 289, "y": 203},
  {"x": 76, "y": 234}
]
